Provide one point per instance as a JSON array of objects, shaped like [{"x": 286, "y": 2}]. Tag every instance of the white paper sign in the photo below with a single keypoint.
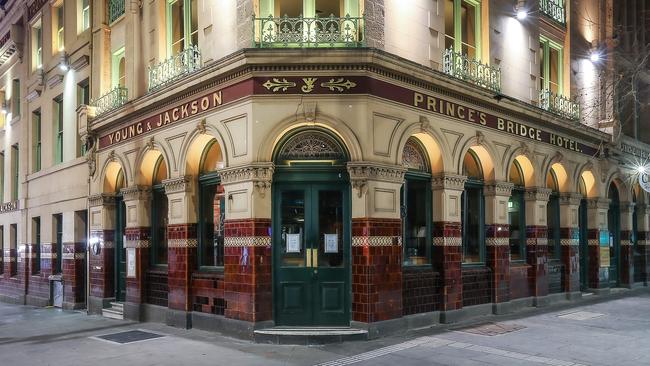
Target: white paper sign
[
  {"x": 331, "y": 243},
  {"x": 130, "y": 262},
  {"x": 293, "y": 243}
]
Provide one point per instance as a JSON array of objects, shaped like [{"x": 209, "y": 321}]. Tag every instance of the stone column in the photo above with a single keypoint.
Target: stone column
[
  {"x": 376, "y": 241},
  {"x": 643, "y": 243},
  {"x": 374, "y": 23},
  {"x": 248, "y": 290},
  {"x": 570, "y": 241},
  {"x": 138, "y": 204},
  {"x": 447, "y": 237},
  {"x": 537, "y": 240},
  {"x": 74, "y": 265},
  {"x": 497, "y": 243},
  {"x": 597, "y": 275},
  {"x": 102, "y": 251},
  {"x": 182, "y": 243},
  {"x": 101, "y": 52},
  {"x": 626, "y": 254}
]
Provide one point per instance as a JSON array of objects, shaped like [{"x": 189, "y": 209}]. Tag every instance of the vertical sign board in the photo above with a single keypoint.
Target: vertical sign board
[{"x": 605, "y": 242}]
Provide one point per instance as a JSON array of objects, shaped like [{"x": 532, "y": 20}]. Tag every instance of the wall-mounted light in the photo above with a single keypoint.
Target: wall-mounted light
[
  {"x": 520, "y": 9},
  {"x": 640, "y": 169},
  {"x": 64, "y": 65},
  {"x": 594, "y": 53}
]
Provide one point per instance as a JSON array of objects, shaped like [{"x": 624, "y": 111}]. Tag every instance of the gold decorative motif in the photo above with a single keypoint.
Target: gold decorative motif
[
  {"x": 309, "y": 85},
  {"x": 376, "y": 241},
  {"x": 247, "y": 241},
  {"x": 277, "y": 84},
  {"x": 339, "y": 85}
]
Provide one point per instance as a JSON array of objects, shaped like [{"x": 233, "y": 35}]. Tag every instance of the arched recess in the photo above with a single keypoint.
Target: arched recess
[
  {"x": 436, "y": 153},
  {"x": 204, "y": 154},
  {"x": 587, "y": 184},
  {"x": 310, "y": 145},
  {"x": 520, "y": 175},
  {"x": 473, "y": 206},
  {"x": 114, "y": 178},
  {"x": 556, "y": 178},
  {"x": 154, "y": 170},
  {"x": 614, "y": 193},
  {"x": 481, "y": 156},
  {"x": 560, "y": 178}
]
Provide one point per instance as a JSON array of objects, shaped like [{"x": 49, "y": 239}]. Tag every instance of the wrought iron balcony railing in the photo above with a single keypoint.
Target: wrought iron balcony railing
[
  {"x": 553, "y": 9},
  {"x": 175, "y": 67},
  {"x": 559, "y": 105},
  {"x": 112, "y": 100},
  {"x": 330, "y": 31},
  {"x": 115, "y": 10},
  {"x": 462, "y": 67}
]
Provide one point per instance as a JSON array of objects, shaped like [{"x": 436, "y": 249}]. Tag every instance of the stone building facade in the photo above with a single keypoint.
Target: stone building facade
[{"x": 358, "y": 163}]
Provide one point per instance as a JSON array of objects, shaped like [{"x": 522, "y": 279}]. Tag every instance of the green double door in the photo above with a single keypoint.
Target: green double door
[
  {"x": 311, "y": 244},
  {"x": 120, "y": 251}
]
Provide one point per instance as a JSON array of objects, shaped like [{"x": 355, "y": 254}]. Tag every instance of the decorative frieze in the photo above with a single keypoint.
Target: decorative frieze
[
  {"x": 569, "y": 242},
  {"x": 593, "y": 242},
  {"x": 537, "y": 194},
  {"x": 136, "y": 193},
  {"x": 502, "y": 189},
  {"x": 101, "y": 199},
  {"x": 137, "y": 243},
  {"x": 571, "y": 199},
  {"x": 500, "y": 242},
  {"x": 536, "y": 241},
  {"x": 261, "y": 174},
  {"x": 598, "y": 203},
  {"x": 177, "y": 185},
  {"x": 448, "y": 181},
  {"x": 247, "y": 241},
  {"x": 182, "y": 243},
  {"x": 447, "y": 241},
  {"x": 361, "y": 172},
  {"x": 376, "y": 241}
]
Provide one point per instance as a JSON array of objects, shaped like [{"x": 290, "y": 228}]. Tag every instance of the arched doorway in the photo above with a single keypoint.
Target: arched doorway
[
  {"x": 311, "y": 230},
  {"x": 473, "y": 210},
  {"x": 614, "y": 228},
  {"x": 114, "y": 181}
]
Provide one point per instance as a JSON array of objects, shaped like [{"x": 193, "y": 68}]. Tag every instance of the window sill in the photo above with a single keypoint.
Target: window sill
[
  {"x": 206, "y": 270},
  {"x": 473, "y": 265}
]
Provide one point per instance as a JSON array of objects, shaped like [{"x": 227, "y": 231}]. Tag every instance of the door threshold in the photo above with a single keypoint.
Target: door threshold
[{"x": 302, "y": 335}]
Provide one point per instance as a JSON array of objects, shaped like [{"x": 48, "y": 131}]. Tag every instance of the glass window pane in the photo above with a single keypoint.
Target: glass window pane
[
  {"x": 515, "y": 209},
  {"x": 177, "y": 27},
  {"x": 330, "y": 229},
  {"x": 416, "y": 235},
  {"x": 290, "y": 8},
  {"x": 160, "y": 226},
  {"x": 553, "y": 226},
  {"x": 325, "y": 8},
  {"x": 471, "y": 224},
  {"x": 121, "y": 75},
  {"x": 542, "y": 73},
  {"x": 292, "y": 228},
  {"x": 194, "y": 31},
  {"x": 213, "y": 226},
  {"x": 554, "y": 69},
  {"x": 468, "y": 29}
]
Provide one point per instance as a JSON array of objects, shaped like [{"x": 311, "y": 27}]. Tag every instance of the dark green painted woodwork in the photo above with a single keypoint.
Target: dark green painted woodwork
[
  {"x": 120, "y": 251},
  {"x": 584, "y": 244},
  {"x": 306, "y": 294}
]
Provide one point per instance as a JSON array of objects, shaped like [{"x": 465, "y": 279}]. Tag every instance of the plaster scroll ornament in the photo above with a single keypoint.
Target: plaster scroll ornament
[
  {"x": 479, "y": 138},
  {"x": 201, "y": 126},
  {"x": 425, "y": 124},
  {"x": 309, "y": 111},
  {"x": 150, "y": 143}
]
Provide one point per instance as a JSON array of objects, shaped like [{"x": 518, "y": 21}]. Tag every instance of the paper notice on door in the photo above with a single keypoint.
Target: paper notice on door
[
  {"x": 331, "y": 243},
  {"x": 130, "y": 262},
  {"x": 293, "y": 243}
]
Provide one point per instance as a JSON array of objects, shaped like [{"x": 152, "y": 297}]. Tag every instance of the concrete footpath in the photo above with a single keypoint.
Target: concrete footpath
[{"x": 610, "y": 332}]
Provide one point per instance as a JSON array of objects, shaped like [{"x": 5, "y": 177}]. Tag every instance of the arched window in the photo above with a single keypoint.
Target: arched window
[
  {"x": 212, "y": 208},
  {"x": 517, "y": 213},
  {"x": 473, "y": 210},
  {"x": 553, "y": 216},
  {"x": 159, "y": 214},
  {"x": 416, "y": 204}
]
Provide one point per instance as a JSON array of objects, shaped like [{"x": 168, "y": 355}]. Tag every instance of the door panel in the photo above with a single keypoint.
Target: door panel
[
  {"x": 311, "y": 247},
  {"x": 120, "y": 251}
]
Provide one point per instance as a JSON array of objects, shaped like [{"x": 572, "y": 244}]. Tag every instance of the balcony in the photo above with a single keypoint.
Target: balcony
[
  {"x": 115, "y": 10},
  {"x": 110, "y": 101},
  {"x": 473, "y": 71},
  {"x": 309, "y": 32},
  {"x": 174, "y": 68},
  {"x": 559, "y": 105},
  {"x": 553, "y": 9}
]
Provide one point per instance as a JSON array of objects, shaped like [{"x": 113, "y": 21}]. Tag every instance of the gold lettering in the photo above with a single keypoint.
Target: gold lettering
[
  {"x": 450, "y": 109},
  {"x": 471, "y": 115},
  {"x": 195, "y": 107},
  {"x": 205, "y": 103},
  {"x": 482, "y": 119},
  {"x": 110, "y": 138},
  {"x": 500, "y": 123},
  {"x": 510, "y": 127},
  {"x": 431, "y": 104},
  {"x": 131, "y": 131},
  {"x": 167, "y": 120},
  {"x": 184, "y": 111},
  {"x": 216, "y": 98},
  {"x": 538, "y": 135},
  {"x": 531, "y": 133},
  {"x": 552, "y": 139},
  {"x": 138, "y": 128},
  {"x": 522, "y": 130},
  {"x": 160, "y": 120},
  {"x": 461, "y": 112},
  {"x": 148, "y": 126},
  {"x": 417, "y": 99},
  {"x": 175, "y": 114},
  {"x": 124, "y": 132}
]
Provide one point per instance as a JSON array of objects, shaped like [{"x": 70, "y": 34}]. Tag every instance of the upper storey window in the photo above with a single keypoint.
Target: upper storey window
[
  {"x": 182, "y": 25},
  {"x": 463, "y": 27},
  {"x": 309, "y": 23},
  {"x": 37, "y": 45},
  {"x": 85, "y": 14},
  {"x": 58, "y": 21},
  {"x": 550, "y": 66},
  {"x": 554, "y": 9}
]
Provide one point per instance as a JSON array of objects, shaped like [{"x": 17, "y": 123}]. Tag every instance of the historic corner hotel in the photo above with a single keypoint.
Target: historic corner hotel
[{"x": 373, "y": 164}]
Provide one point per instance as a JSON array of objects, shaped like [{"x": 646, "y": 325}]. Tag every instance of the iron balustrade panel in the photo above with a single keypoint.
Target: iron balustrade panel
[
  {"x": 112, "y": 100},
  {"x": 329, "y": 31},
  {"x": 116, "y": 9},
  {"x": 467, "y": 69},
  {"x": 559, "y": 105},
  {"x": 553, "y": 9},
  {"x": 175, "y": 67}
]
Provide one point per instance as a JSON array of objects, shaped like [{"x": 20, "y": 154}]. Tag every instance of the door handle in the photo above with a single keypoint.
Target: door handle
[{"x": 312, "y": 258}]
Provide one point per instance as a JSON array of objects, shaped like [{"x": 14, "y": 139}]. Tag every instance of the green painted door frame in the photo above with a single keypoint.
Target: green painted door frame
[
  {"x": 310, "y": 287},
  {"x": 120, "y": 252},
  {"x": 583, "y": 228}
]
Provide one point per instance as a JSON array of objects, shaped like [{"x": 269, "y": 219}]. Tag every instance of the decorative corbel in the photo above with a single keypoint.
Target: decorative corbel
[
  {"x": 201, "y": 126},
  {"x": 479, "y": 138},
  {"x": 309, "y": 111},
  {"x": 361, "y": 185},
  {"x": 425, "y": 124}
]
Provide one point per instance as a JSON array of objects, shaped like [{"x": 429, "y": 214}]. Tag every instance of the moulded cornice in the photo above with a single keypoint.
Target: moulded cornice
[
  {"x": 571, "y": 198},
  {"x": 448, "y": 181},
  {"x": 177, "y": 185},
  {"x": 498, "y": 189},
  {"x": 598, "y": 203},
  {"x": 136, "y": 193},
  {"x": 101, "y": 199},
  {"x": 261, "y": 174},
  {"x": 363, "y": 171},
  {"x": 537, "y": 194}
]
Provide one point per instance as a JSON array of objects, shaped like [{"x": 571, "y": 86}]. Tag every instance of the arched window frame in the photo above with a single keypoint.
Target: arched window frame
[
  {"x": 553, "y": 216},
  {"x": 209, "y": 187},
  {"x": 473, "y": 186},
  {"x": 414, "y": 242},
  {"x": 159, "y": 219},
  {"x": 517, "y": 206}
]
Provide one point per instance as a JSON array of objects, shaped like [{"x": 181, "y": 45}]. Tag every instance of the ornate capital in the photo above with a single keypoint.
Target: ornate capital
[
  {"x": 449, "y": 181},
  {"x": 361, "y": 172},
  {"x": 177, "y": 185},
  {"x": 101, "y": 199},
  {"x": 627, "y": 206},
  {"x": 570, "y": 199},
  {"x": 498, "y": 189},
  {"x": 537, "y": 194},
  {"x": 598, "y": 203},
  {"x": 136, "y": 193},
  {"x": 261, "y": 174}
]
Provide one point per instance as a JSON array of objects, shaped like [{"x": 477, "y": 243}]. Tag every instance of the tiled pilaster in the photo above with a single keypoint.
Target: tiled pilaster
[
  {"x": 74, "y": 270},
  {"x": 569, "y": 241},
  {"x": 497, "y": 244},
  {"x": 597, "y": 274},
  {"x": 537, "y": 240}
]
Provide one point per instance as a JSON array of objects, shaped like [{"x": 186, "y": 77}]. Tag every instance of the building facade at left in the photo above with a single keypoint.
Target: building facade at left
[{"x": 44, "y": 77}]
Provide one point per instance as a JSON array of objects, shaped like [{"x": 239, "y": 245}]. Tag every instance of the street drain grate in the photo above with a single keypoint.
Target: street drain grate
[
  {"x": 129, "y": 336},
  {"x": 581, "y": 315},
  {"x": 492, "y": 329}
]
